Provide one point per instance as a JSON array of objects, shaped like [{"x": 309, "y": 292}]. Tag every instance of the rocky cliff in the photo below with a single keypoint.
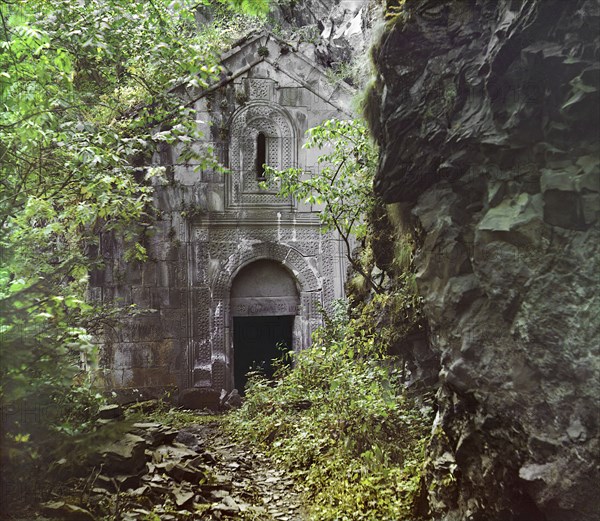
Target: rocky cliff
[
  {"x": 486, "y": 112},
  {"x": 335, "y": 33}
]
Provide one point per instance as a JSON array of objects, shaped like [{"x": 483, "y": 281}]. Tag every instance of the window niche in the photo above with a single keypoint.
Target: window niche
[
  {"x": 261, "y": 156},
  {"x": 261, "y": 133}
]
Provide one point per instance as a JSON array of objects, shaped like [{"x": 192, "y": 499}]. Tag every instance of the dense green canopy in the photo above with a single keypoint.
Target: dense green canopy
[{"x": 86, "y": 97}]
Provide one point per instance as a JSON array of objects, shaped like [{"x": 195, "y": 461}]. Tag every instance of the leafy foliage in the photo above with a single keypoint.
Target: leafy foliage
[
  {"x": 88, "y": 91},
  {"x": 396, "y": 312},
  {"x": 342, "y": 422},
  {"x": 342, "y": 188},
  {"x": 178, "y": 418}
]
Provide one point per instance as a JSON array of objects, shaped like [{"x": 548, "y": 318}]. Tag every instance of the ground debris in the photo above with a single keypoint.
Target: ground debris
[
  {"x": 66, "y": 511},
  {"x": 192, "y": 473}
]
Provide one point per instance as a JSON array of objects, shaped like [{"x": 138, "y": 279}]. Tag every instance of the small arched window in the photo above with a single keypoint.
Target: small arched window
[{"x": 261, "y": 155}]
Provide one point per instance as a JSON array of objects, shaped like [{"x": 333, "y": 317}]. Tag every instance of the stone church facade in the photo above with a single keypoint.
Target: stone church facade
[{"x": 227, "y": 255}]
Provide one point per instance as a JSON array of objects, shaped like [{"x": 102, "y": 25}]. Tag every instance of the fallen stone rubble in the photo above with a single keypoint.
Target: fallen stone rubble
[{"x": 156, "y": 472}]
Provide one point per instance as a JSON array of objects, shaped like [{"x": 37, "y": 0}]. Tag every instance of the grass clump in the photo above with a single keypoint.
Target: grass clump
[
  {"x": 179, "y": 418},
  {"x": 338, "y": 417}
]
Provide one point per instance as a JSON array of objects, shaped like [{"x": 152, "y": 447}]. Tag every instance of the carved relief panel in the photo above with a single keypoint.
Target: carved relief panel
[{"x": 259, "y": 131}]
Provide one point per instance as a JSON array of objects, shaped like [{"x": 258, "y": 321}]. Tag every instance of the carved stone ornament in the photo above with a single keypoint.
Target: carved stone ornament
[
  {"x": 273, "y": 121},
  {"x": 223, "y": 308}
]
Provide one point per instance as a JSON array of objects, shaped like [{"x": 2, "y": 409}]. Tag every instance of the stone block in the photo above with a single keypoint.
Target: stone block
[
  {"x": 174, "y": 323},
  {"x": 300, "y": 120},
  {"x": 124, "y": 455},
  {"x": 589, "y": 181},
  {"x": 110, "y": 412},
  {"x": 168, "y": 251},
  {"x": 168, "y": 198},
  {"x": 153, "y": 377},
  {"x": 143, "y": 329},
  {"x": 291, "y": 96},
  {"x": 210, "y": 177},
  {"x": 143, "y": 355},
  {"x": 123, "y": 355},
  {"x": 557, "y": 180},
  {"x": 172, "y": 274},
  {"x": 219, "y": 372},
  {"x": 149, "y": 275},
  {"x": 133, "y": 273},
  {"x": 122, "y": 295},
  {"x": 173, "y": 298},
  {"x": 563, "y": 209},
  {"x": 590, "y": 205},
  {"x": 159, "y": 353},
  {"x": 202, "y": 377},
  {"x": 140, "y": 297},
  {"x": 215, "y": 199},
  {"x": 158, "y": 297},
  {"x": 185, "y": 174},
  {"x": 199, "y": 398},
  {"x": 123, "y": 377}
]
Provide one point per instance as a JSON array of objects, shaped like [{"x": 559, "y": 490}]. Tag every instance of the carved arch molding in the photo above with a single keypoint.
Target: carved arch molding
[
  {"x": 274, "y": 122},
  {"x": 307, "y": 317}
]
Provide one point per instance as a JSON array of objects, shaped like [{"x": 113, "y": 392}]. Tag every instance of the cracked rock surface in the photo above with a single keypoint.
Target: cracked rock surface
[
  {"x": 195, "y": 473},
  {"x": 486, "y": 113}
]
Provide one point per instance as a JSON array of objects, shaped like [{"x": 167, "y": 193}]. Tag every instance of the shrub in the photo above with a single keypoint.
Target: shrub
[{"x": 340, "y": 419}]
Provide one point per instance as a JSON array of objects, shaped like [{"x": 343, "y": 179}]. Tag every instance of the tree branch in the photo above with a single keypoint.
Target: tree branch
[{"x": 355, "y": 264}]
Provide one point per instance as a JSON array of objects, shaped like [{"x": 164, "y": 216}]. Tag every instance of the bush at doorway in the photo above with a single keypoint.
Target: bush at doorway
[{"x": 336, "y": 419}]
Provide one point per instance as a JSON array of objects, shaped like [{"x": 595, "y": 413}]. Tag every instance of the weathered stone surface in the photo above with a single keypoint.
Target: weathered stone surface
[
  {"x": 229, "y": 481},
  {"x": 124, "y": 456},
  {"x": 230, "y": 400},
  {"x": 109, "y": 412},
  {"x": 172, "y": 453},
  {"x": 155, "y": 433},
  {"x": 66, "y": 511},
  {"x": 199, "y": 399},
  {"x": 190, "y": 439},
  {"x": 120, "y": 482},
  {"x": 333, "y": 32},
  {"x": 486, "y": 113},
  {"x": 182, "y": 495},
  {"x": 186, "y": 472}
]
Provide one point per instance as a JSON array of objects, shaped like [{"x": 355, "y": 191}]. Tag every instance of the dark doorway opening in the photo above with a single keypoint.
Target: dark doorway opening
[{"x": 256, "y": 342}]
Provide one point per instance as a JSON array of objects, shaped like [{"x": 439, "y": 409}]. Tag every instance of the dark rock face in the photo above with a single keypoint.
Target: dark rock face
[{"x": 487, "y": 117}]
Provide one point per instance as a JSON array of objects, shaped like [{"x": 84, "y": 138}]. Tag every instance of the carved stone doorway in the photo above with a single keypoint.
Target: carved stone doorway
[{"x": 264, "y": 305}]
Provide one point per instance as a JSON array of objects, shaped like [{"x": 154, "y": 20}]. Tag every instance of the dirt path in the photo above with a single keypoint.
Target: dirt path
[
  {"x": 253, "y": 487},
  {"x": 153, "y": 472}
]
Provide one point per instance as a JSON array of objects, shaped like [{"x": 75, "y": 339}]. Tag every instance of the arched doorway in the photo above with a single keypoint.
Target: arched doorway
[{"x": 264, "y": 304}]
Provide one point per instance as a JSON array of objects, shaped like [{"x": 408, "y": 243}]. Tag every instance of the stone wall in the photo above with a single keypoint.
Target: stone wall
[
  {"x": 208, "y": 225},
  {"x": 487, "y": 116}
]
